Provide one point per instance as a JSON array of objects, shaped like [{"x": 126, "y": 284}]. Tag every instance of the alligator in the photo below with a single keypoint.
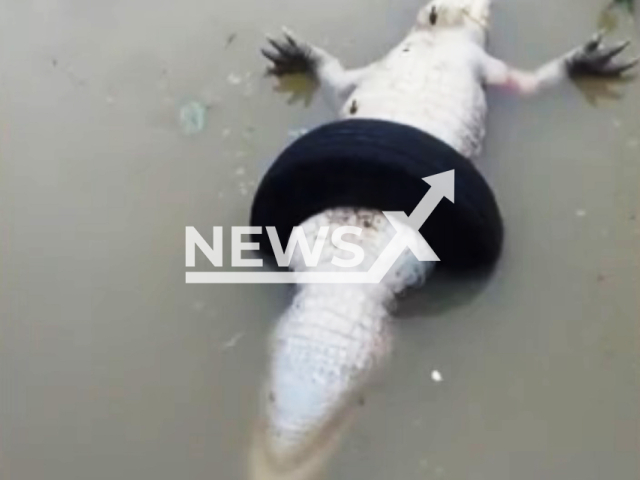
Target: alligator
[{"x": 332, "y": 338}]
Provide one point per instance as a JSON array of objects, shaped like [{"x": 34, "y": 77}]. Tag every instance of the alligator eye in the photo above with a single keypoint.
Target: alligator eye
[{"x": 433, "y": 16}]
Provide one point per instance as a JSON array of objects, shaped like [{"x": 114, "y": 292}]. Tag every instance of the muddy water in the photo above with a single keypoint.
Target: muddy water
[{"x": 111, "y": 367}]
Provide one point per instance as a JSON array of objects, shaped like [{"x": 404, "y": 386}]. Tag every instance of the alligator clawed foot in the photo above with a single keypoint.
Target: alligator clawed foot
[
  {"x": 596, "y": 59},
  {"x": 289, "y": 55}
]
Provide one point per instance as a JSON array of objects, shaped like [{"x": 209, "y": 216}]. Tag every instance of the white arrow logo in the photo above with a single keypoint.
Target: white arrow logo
[{"x": 442, "y": 186}]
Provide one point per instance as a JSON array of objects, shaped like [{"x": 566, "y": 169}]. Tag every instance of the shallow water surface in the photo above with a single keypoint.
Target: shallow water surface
[{"x": 111, "y": 367}]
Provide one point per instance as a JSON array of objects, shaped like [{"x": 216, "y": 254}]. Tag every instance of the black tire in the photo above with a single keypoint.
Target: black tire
[{"x": 380, "y": 165}]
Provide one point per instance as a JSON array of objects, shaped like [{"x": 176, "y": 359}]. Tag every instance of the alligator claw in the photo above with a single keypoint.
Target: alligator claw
[
  {"x": 289, "y": 56},
  {"x": 595, "y": 41},
  {"x": 595, "y": 59},
  {"x": 618, "y": 69}
]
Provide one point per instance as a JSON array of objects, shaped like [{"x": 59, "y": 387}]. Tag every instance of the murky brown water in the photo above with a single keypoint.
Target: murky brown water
[{"x": 111, "y": 367}]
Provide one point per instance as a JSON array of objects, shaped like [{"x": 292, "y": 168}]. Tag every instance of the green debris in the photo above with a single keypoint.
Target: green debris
[
  {"x": 615, "y": 11},
  {"x": 629, "y": 4},
  {"x": 192, "y": 117}
]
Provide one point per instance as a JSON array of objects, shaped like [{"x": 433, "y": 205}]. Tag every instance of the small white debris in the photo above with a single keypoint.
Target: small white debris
[
  {"x": 581, "y": 213},
  {"x": 633, "y": 143},
  {"x": 240, "y": 171},
  {"x": 439, "y": 471},
  {"x": 110, "y": 100},
  {"x": 240, "y": 154},
  {"x": 424, "y": 464},
  {"x": 297, "y": 133},
  {"x": 226, "y": 133},
  {"x": 234, "y": 79},
  {"x": 233, "y": 341},
  {"x": 436, "y": 376},
  {"x": 617, "y": 123},
  {"x": 244, "y": 192},
  {"x": 220, "y": 194}
]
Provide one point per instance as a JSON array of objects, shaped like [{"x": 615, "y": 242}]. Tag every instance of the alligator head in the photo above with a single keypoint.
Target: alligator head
[{"x": 468, "y": 16}]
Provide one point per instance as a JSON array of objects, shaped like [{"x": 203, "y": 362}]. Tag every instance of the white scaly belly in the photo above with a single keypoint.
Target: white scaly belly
[{"x": 429, "y": 84}]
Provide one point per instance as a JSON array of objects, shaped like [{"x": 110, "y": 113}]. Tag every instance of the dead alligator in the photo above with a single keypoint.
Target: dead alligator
[{"x": 333, "y": 337}]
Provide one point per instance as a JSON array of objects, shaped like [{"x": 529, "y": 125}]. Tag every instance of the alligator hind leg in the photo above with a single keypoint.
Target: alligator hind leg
[{"x": 291, "y": 55}]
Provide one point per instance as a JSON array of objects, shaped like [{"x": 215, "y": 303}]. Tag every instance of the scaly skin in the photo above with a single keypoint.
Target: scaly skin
[
  {"x": 325, "y": 350},
  {"x": 334, "y": 337}
]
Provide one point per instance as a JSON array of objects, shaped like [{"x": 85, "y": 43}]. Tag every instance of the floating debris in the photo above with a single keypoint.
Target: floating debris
[
  {"x": 110, "y": 100},
  {"x": 581, "y": 213},
  {"x": 233, "y": 341},
  {"x": 617, "y": 123},
  {"x": 234, "y": 79},
  {"x": 240, "y": 171},
  {"x": 192, "y": 118},
  {"x": 230, "y": 39},
  {"x": 297, "y": 133},
  {"x": 436, "y": 376},
  {"x": 226, "y": 133},
  {"x": 243, "y": 191},
  {"x": 633, "y": 143}
]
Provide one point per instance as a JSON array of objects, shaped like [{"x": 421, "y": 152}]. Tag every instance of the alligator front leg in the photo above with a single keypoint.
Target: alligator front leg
[
  {"x": 291, "y": 55},
  {"x": 593, "y": 59}
]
